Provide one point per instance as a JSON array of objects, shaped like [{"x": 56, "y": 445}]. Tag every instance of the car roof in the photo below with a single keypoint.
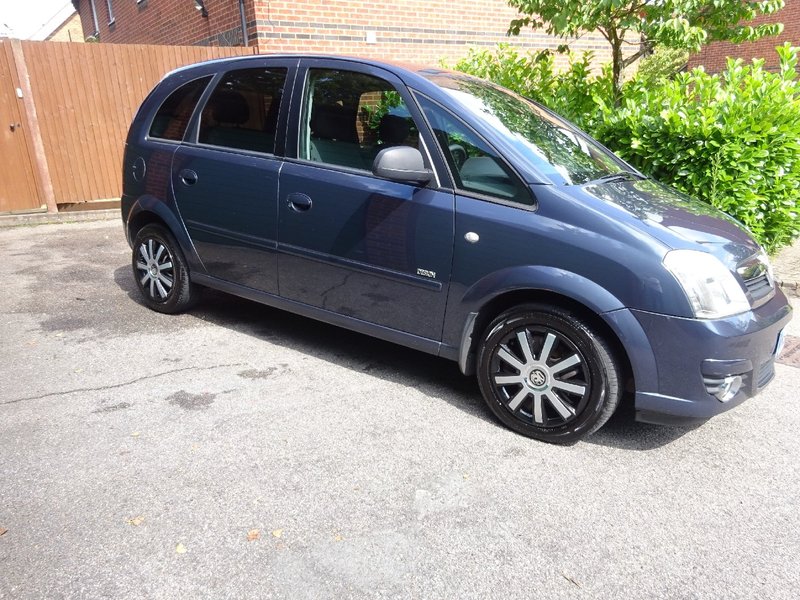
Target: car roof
[
  {"x": 409, "y": 72},
  {"x": 310, "y": 55}
]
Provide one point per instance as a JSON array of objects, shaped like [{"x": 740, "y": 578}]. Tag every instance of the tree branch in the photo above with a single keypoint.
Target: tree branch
[{"x": 636, "y": 55}]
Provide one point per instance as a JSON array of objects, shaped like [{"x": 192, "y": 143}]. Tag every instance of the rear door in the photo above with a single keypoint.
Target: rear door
[
  {"x": 350, "y": 242},
  {"x": 225, "y": 176}
]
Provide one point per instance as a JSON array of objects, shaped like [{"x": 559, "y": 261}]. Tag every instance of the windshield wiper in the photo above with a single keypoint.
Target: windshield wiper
[{"x": 618, "y": 176}]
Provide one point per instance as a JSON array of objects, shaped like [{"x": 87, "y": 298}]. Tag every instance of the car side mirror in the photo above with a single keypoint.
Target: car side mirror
[{"x": 401, "y": 163}]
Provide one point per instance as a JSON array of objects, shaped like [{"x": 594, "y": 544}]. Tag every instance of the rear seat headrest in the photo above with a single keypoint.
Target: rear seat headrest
[{"x": 230, "y": 107}]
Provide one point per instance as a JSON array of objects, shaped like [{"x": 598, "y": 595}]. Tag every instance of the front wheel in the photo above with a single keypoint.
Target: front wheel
[
  {"x": 547, "y": 374},
  {"x": 160, "y": 271}
]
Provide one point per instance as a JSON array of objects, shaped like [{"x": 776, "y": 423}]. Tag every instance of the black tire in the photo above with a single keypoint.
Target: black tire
[
  {"x": 160, "y": 271},
  {"x": 573, "y": 400}
]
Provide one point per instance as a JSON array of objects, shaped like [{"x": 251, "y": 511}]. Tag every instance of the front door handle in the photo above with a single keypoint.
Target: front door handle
[
  {"x": 188, "y": 177},
  {"x": 298, "y": 202}
]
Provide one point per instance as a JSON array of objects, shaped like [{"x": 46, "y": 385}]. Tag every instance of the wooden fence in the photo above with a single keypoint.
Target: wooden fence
[{"x": 65, "y": 111}]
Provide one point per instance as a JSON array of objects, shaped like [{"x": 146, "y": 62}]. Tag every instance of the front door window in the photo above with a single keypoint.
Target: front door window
[{"x": 349, "y": 117}]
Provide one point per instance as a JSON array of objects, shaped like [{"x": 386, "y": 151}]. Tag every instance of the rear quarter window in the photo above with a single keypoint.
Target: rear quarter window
[{"x": 174, "y": 113}]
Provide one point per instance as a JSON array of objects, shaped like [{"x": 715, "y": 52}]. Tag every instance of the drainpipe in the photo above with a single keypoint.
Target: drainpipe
[
  {"x": 96, "y": 33},
  {"x": 244, "y": 23}
]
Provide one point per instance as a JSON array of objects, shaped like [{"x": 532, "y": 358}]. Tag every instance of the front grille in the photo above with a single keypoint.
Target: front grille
[
  {"x": 757, "y": 278},
  {"x": 765, "y": 374},
  {"x": 758, "y": 286}
]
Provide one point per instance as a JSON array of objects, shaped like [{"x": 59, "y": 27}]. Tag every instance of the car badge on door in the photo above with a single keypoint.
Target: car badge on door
[{"x": 426, "y": 273}]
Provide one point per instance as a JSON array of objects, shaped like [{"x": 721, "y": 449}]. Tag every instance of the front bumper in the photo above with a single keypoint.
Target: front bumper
[{"x": 692, "y": 355}]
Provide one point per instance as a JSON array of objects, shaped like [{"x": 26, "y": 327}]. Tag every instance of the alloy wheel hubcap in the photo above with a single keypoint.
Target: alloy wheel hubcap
[
  {"x": 156, "y": 271},
  {"x": 540, "y": 376},
  {"x": 537, "y": 379}
]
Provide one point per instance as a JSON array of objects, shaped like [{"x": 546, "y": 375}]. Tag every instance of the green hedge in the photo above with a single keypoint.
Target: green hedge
[
  {"x": 732, "y": 140},
  {"x": 570, "y": 92}
]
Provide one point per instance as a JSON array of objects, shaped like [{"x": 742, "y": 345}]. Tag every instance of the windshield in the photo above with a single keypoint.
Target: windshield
[{"x": 553, "y": 147}]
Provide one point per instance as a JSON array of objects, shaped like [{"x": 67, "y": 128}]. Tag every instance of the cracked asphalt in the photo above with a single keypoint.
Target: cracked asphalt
[{"x": 241, "y": 452}]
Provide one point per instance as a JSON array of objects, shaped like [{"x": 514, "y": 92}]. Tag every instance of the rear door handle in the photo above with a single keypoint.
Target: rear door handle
[
  {"x": 298, "y": 202},
  {"x": 188, "y": 177}
]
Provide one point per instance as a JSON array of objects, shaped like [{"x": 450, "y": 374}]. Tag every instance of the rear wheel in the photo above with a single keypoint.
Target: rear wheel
[
  {"x": 160, "y": 271},
  {"x": 547, "y": 374}
]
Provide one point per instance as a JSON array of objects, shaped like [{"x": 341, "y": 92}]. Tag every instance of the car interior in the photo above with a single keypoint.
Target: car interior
[{"x": 243, "y": 111}]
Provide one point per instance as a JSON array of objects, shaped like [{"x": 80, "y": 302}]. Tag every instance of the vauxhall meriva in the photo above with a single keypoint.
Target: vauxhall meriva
[{"x": 450, "y": 215}]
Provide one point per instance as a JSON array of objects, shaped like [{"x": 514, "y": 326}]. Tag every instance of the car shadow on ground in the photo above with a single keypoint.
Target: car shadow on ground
[
  {"x": 625, "y": 433},
  {"x": 434, "y": 376}
]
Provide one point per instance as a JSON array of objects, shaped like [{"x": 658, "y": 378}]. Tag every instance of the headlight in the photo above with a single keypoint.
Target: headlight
[{"x": 711, "y": 288}]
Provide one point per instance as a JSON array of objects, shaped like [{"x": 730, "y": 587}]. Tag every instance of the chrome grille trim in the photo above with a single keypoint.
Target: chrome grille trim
[{"x": 757, "y": 279}]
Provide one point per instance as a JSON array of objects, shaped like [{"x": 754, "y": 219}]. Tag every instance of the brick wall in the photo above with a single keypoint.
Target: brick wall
[
  {"x": 167, "y": 22},
  {"x": 713, "y": 56},
  {"x": 415, "y": 31}
]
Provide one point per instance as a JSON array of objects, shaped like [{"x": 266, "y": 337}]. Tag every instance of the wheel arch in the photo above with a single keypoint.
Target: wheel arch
[
  {"x": 150, "y": 210},
  {"x": 503, "y": 302},
  {"x": 596, "y": 306}
]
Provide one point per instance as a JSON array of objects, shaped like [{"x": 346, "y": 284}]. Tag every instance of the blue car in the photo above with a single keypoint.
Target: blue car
[{"x": 449, "y": 215}]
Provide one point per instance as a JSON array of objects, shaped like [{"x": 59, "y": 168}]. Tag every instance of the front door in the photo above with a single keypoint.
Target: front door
[
  {"x": 350, "y": 242},
  {"x": 226, "y": 181}
]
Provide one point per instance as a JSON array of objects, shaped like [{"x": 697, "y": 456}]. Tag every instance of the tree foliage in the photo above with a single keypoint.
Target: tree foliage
[
  {"x": 644, "y": 24},
  {"x": 663, "y": 63},
  {"x": 573, "y": 92}
]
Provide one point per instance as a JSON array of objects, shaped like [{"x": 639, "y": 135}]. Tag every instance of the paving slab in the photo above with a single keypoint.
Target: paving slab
[{"x": 786, "y": 264}]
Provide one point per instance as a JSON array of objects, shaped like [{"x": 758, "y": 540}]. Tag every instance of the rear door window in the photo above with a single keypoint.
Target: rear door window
[
  {"x": 173, "y": 116},
  {"x": 242, "y": 112}
]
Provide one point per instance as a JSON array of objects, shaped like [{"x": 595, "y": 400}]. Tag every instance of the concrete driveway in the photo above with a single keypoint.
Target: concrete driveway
[{"x": 239, "y": 451}]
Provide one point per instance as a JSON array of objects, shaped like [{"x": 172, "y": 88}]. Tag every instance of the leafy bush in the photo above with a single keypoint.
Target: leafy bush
[
  {"x": 732, "y": 140},
  {"x": 570, "y": 92},
  {"x": 505, "y": 66}
]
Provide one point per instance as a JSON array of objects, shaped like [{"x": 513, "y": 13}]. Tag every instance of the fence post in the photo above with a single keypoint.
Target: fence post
[{"x": 45, "y": 185}]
